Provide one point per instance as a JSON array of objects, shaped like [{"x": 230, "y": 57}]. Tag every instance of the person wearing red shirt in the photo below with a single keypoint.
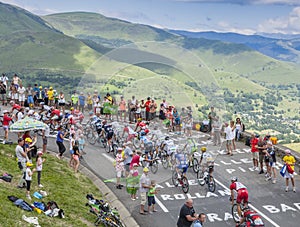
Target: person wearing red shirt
[
  {"x": 254, "y": 151},
  {"x": 147, "y": 105},
  {"x": 5, "y": 123},
  {"x": 242, "y": 194},
  {"x": 135, "y": 159}
]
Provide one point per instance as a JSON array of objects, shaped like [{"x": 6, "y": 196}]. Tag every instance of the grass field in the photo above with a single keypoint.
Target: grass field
[
  {"x": 62, "y": 185},
  {"x": 293, "y": 146}
]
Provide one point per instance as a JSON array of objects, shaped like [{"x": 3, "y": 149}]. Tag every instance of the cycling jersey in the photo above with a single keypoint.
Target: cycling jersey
[
  {"x": 242, "y": 192},
  {"x": 181, "y": 162}
]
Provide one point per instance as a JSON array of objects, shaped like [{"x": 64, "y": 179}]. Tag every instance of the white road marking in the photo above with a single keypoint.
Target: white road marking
[
  {"x": 111, "y": 159},
  {"x": 254, "y": 208},
  {"x": 162, "y": 206}
]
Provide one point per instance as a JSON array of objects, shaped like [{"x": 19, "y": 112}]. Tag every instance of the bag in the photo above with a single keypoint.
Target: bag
[
  {"x": 247, "y": 142},
  {"x": 289, "y": 169},
  {"x": 283, "y": 170},
  {"x": 37, "y": 195},
  {"x": 254, "y": 220},
  {"x": 12, "y": 198},
  {"x": 6, "y": 177},
  {"x": 39, "y": 205},
  {"x": 23, "y": 205},
  {"x": 51, "y": 205}
]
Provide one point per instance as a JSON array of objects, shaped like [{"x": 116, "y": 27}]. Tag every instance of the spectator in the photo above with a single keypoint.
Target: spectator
[
  {"x": 145, "y": 185},
  {"x": 21, "y": 94},
  {"x": 89, "y": 101},
  {"x": 135, "y": 158},
  {"x": 50, "y": 94},
  {"x": 81, "y": 99},
  {"x": 288, "y": 159},
  {"x": 76, "y": 156},
  {"x": 269, "y": 160},
  {"x": 74, "y": 99},
  {"x": 162, "y": 112},
  {"x": 28, "y": 178},
  {"x": 147, "y": 107},
  {"x": 217, "y": 132},
  {"x": 254, "y": 151},
  {"x": 60, "y": 143},
  {"x": 134, "y": 181},
  {"x": 201, "y": 219},
  {"x": 35, "y": 92},
  {"x": 119, "y": 167},
  {"x": 13, "y": 92},
  {"x": 128, "y": 157},
  {"x": 228, "y": 132},
  {"x": 151, "y": 197},
  {"x": 39, "y": 167},
  {"x": 153, "y": 107},
  {"x": 46, "y": 97},
  {"x": 239, "y": 128},
  {"x": 30, "y": 94},
  {"x": 3, "y": 92},
  {"x": 81, "y": 144},
  {"x": 143, "y": 111},
  {"x": 187, "y": 214},
  {"x": 177, "y": 121},
  {"x": 189, "y": 125},
  {"x": 122, "y": 109},
  {"x": 232, "y": 134},
  {"x": 261, "y": 146},
  {"x": 40, "y": 95},
  {"x": 45, "y": 135},
  {"x": 4, "y": 79},
  {"x": 211, "y": 117},
  {"x": 137, "y": 111},
  {"x": 5, "y": 122},
  {"x": 22, "y": 159},
  {"x": 132, "y": 109},
  {"x": 272, "y": 163},
  {"x": 16, "y": 80},
  {"x": 61, "y": 102}
]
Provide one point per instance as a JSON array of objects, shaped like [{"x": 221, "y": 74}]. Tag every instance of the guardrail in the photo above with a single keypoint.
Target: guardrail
[{"x": 280, "y": 151}]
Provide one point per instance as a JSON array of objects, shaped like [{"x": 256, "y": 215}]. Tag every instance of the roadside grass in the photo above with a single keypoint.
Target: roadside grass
[
  {"x": 293, "y": 146},
  {"x": 64, "y": 187}
]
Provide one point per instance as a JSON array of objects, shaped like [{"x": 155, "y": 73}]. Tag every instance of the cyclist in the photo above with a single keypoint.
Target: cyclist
[
  {"x": 206, "y": 160},
  {"x": 108, "y": 133},
  {"x": 250, "y": 218},
  {"x": 141, "y": 127},
  {"x": 191, "y": 148},
  {"x": 242, "y": 194},
  {"x": 181, "y": 163},
  {"x": 168, "y": 147}
]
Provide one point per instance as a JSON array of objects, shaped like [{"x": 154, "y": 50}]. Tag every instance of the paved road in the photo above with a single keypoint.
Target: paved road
[{"x": 278, "y": 208}]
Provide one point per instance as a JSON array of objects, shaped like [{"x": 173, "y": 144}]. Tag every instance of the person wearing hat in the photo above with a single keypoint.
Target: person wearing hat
[
  {"x": 29, "y": 145},
  {"x": 119, "y": 167},
  {"x": 145, "y": 185},
  {"x": 81, "y": 101},
  {"x": 50, "y": 94},
  {"x": 28, "y": 178},
  {"x": 39, "y": 167},
  {"x": 5, "y": 123},
  {"x": 133, "y": 181},
  {"x": 128, "y": 153},
  {"x": 89, "y": 101},
  {"x": 290, "y": 161},
  {"x": 22, "y": 159},
  {"x": 40, "y": 95}
]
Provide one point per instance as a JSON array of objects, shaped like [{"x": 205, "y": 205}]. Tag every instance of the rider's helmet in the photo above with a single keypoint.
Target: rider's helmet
[
  {"x": 72, "y": 108},
  {"x": 91, "y": 113},
  {"x": 234, "y": 178},
  {"x": 139, "y": 119},
  {"x": 203, "y": 149},
  {"x": 167, "y": 138},
  {"x": 104, "y": 122}
]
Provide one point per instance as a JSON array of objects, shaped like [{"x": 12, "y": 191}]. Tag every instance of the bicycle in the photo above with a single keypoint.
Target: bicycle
[
  {"x": 153, "y": 162},
  {"x": 234, "y": 210},
  {"x": 179, "y": 178},
  {"x": 204, "y": 177}
]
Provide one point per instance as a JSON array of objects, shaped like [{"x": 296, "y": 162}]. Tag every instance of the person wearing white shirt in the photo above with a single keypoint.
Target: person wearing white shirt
[
  {"x": 228, "y": 132},
  {"x": 21, "y": 92}
]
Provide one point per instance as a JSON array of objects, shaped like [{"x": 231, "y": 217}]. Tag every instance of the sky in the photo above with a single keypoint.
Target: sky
[{"x": 240, "y": 16}]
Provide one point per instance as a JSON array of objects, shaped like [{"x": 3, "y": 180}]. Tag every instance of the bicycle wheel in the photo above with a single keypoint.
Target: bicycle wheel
[
  {"x": 195, "y": 165},
  {"x": 185, "y": 184},
  {"x": 115, "y": 149},
  {"x": 175, "y": 178},
  {"x": 144, "y": 163},
  {"x": 234, "y": 213},
  {"x": 211, "y": 184},
  {"x": 136, "y": 142},
  {"x": 91, "y": 138},
  {"x": 164, "y": 161},
  {"x": 154, "y": 166}
]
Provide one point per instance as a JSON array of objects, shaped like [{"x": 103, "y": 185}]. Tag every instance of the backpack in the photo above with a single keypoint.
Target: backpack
[
  {"x": 254, "y": 219},
  {"x": 247, "y": 141},
  {"x": 51, "y": 205}
]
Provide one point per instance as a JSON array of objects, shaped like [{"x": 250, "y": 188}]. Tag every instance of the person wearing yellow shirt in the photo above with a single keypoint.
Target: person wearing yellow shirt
[
  {"x": 288, "y": 159},
  {"x": 50, "y": 94}
]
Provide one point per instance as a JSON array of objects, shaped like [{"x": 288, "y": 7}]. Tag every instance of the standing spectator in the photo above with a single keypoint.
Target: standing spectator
[
  {"x": 5, "y": 122},
  {"x": 16, "y": 80},
  {"x": 153, "y": 107},
  {"x": 39, "y": 167},
  {"x": 254, "y": 151},
  {"x": 4, "y": 79},
  {"x": 187, "y": 214},
  {"x": 217, "y": 132},
  {"x": 21, "y": 94},
  {"x": 132, "y": 109},
  {"x": 97, "y": 108},
  {"x": 81, "y": 143},
  {"x": 269, "y": 161},
  {"x": 128, "y": 157},
  {"x": 3, "y": 92},
  {"x": 212, "y": 117},
  {"x": 28, "y": 178},
  {"x": 228, "y": 138},
  {"x": 135, "y": 158},
  {"x": 74, "y": 99},
  {"x": 201, "y": 219},
  {"x": 30, "y": 94},
  {"x": 145, "y": 185},
  {"x": 143, "y": 111},
  {"x": 40, "y": 95},
  {"x": 151, "y": 197},
  {"x": 89, "y": 101},
  {"x": 177, "y": 121},
  {"x": 13, "y": 92},
  {"x": 60, "y": 143},
  {"x": 76, "y": 157},
  {"x": 164, "y": 103},
  {"x": 45, "y": 135},
  {"x": 147, "y": 107},
  {"x": 272, "y": 163},
  {"x": 81, "y": 99},
  {"x": 288, "y": 159},
  {"x": 119, "y": 167},
  {"x": 134, "y": 181},
  {"x": 232, "y": 135},
  {"x": 169, "y": 116},
  {"x": 122, "y": 109},
  {"x": 72, "y": 144},
  {"x": 50, "y": 94},
  {"x": 261, "y": 146},
  {"x": 35, "y": 90},
  {"x": 189, "y": 124},
  {"x": 162, "y": 112},
  {"x": 61, "y": 101},
  {"x": 46, "y": 97},
  {"x": 137, "y": 111},
  {"x": 239, "y": 128},
  {"x": 22, "y": 159}
]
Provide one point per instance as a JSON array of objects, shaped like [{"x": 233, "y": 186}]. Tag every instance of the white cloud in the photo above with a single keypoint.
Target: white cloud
[{"x": 286, "y": 25}]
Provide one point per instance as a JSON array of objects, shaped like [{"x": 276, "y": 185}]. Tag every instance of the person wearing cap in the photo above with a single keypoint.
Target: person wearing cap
[
  {"x": 133, "y": 181},
  {"x": 145, "y": 185},
  {"x": 50, "y": 94},
  {"x": 119, "y": 167},
  {"x": 28, "y": 178},
  {"x": 39, "y": 167},
  {"x": 122, "y": 109},
  {"x": 30, "y": 147},
  {"x": 128, "y": 157},
  {"x": 290, "y": 160},
  {"x": 5, "y": 124},
  {"x": 81, "y": 100},
  {"x": 22, "y": 159},
  {"x": 40, "y": 95},
  {"x": 89, "y": 101}
]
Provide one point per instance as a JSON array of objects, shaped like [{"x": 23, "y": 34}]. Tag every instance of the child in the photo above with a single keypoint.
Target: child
[
  {"x": 151, "y": 199},
  {"x": 39, "y": 167},
  {"x": 81, "y": 143},
  {"x": 119, "y": 167},
  {"x": 76, "y": 156},
  {"x": 134, "y": 173},
  {"x": 288, "y": 159},
  {"x": 28, "y": 178}
]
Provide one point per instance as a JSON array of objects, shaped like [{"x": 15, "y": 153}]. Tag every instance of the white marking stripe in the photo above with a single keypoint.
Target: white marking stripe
[
  {"x": 111, "y": 159},
  {"x": 162, "y": 206},
  {"x": 254, "y": 208}
]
